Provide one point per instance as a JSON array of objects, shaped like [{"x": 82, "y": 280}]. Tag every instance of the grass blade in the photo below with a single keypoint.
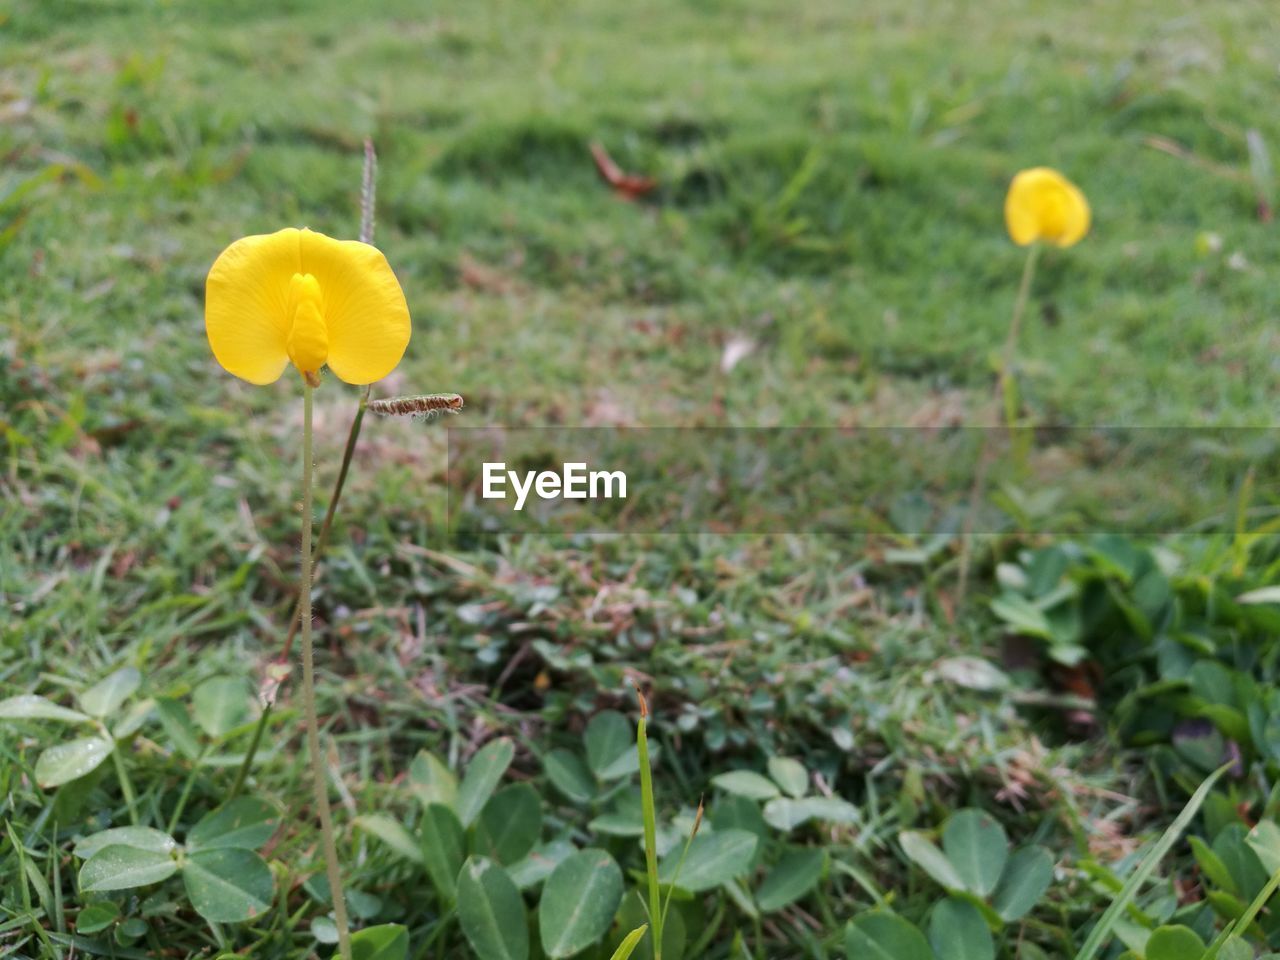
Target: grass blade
[{"x": 1098, "y": 936}]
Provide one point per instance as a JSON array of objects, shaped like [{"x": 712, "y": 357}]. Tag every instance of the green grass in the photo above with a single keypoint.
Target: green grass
[{"x": 831, "y": 181}]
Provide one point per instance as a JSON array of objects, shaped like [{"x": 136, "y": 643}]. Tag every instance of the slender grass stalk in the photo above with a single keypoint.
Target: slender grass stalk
[
  {"x": 126, "y": 786},
  {"x": 309, "y": 687},
  {"x": 1102, "y": 931},
  {"x": 1007, "y": 396},
  {"x": 186, "y": 791},
  {"x": 1238, "y": 929},
  {"x": 650, "y": 829},
  {"x": 697, "y": 822}
]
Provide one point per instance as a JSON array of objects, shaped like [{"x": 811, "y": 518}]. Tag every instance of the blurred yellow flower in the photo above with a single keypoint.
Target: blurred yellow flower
[
  {"x": 302, "y": 297},
  {"x": 1044, "y": 205}
]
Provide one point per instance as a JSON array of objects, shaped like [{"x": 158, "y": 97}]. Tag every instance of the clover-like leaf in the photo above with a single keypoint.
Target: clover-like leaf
[
  {"x": 72, "y": 760},
  {"x": 228, "y": 884},
  {"x": 245, "y": 822},
  {"x": 578, "y": 902},
  {"x": 107, "y": 695},
  {"x": 29, "y": 706},
  {"x": 491, "y": 911},
  {"x": 119, "y": 867}
]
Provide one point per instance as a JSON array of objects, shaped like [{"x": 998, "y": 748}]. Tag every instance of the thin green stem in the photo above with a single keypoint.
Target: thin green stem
[
  {"x": 322, "y": 540},
  {"x": 309, "y": 690},
  {"x": 1008, "y": 398},
  {"x": 126, "y": 786},
  {"x": 247, "y": 763},
  {"x": 650, "y": 831},
  {"x": 186, "y": 791}
]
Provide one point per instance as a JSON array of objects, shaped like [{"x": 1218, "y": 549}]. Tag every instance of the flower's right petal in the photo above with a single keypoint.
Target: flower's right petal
[
  {"x": 246, "y": 305},
  {"x": 1078, "y": 216}
]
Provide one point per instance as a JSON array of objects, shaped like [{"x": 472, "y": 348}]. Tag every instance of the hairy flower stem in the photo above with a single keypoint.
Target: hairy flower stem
[
  {"x": 1008, "y": 399},
  {"x": 309, "y": 690},
  {"x": 322, "y": 540}
]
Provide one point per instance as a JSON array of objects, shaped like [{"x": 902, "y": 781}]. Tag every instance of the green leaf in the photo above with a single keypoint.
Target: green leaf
[
  {"x": 491, "y": 912},
  {"x": 510, "y": 824},
  {"x": 245, "y": 822},
  {"x": 96, "y": 917},
  {"x": 221, "y": 704},
  {"x": 1021, "y": 616},
  {"x": 623, "y": 821},
  {"x": 880, "y": 935},
  {"x": 922, "y": 851},
  {"x": 791, "y": 878},
  {"x": 387, "y": 941},
  {"x": 1024, "y": 881},
  {"x": 1261, "y": 595},
  {"x": 32, "y": 707},
  {"x": 629, "y": 943},
  {"x": 1212, "y": 867},
  {"x": 958, "y": 932},
  {"x": 431, "y": 781},
  {"x": 611, "y": 746},
  {"x": 713, "y": 859},
  {"x": 121, "y": 868},
  {"x": 133, "y": 719},
  {"x": 1234, "y": 850},
  {"x": 176, "y": 720},
  {"x": 72, "y": 760},
  {"x": 790, "y": 775},
  {"x": 569, "y": 774},
  {"x": 107, "y": 695},
  {"x": 537, "y": 866},
  {"x": 393, "y": 833},
  {"x": 482, "y": 777},
  {"x": 977, "y": 847},
  {"x": 746, "y": 783},
  {"x": 228, "y": 884},
  {"x": 1174, "y": 942},
  {"x": 785, "y": 813},
  {"x": 578, "y": 902},
  {"x": 444, "y": 846},
  {"x": 1264, "y": 839},
  {"x": 140, "y": 838}
]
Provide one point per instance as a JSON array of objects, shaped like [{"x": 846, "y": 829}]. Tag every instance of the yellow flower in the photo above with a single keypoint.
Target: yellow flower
[
  {"x": 301, "y": 297},
  {"x": 1044, "y": 205}
]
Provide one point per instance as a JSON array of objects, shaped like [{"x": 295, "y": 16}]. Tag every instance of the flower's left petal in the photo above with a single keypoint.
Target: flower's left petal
[
  {"x": 1022, "y": 214},
  {"x": 364, "y": 308},
  {"x": 245, "y": 305}
]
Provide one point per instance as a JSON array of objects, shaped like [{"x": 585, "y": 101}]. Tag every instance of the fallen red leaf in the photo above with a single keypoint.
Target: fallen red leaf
[{"x": 629, "y": 186}]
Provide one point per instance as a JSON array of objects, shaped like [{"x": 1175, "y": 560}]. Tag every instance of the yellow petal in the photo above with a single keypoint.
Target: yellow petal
[
  {"x": 365, "y": 314},
  {"x": 1042, "y": 204},
  {"x": 245, "y": 305}
]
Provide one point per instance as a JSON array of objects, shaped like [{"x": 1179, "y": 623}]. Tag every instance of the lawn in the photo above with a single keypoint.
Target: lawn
[{"x": 886, "y": 760}]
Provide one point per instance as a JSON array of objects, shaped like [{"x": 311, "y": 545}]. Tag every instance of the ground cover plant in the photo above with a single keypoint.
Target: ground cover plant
[{"x": 846, "y": 753}]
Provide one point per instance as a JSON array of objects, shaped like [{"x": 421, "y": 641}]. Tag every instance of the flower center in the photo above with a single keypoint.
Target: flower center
[
  {"x": 308, "y": 339},
  {"x": 1054, "y": 215}
]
